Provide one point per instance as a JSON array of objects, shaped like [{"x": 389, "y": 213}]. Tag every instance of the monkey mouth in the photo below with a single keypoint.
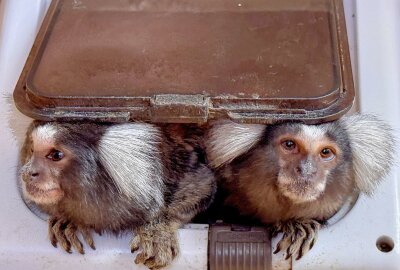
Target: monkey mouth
[
  {"x": 39, "y": 195},
  {"x": 300, "y": 192}
]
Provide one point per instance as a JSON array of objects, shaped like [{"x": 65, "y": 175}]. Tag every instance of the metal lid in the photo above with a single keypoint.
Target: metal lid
[{"x": 189, "y": 61}]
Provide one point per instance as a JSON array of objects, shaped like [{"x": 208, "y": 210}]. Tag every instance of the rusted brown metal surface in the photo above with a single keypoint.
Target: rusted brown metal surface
[{"x": 189, "y": 61}]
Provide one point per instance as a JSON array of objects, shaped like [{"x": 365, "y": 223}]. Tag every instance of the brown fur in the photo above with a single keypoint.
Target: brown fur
[
  {"x": 296, "y": 189},
  {"x": 265, "y": 183},
  {"x": 250, "y": 180}
]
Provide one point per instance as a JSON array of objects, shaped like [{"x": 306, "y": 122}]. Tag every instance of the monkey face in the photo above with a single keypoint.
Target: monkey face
[
  {"x": 306, "y": 156},
  {"x": 44, "y": 162}
]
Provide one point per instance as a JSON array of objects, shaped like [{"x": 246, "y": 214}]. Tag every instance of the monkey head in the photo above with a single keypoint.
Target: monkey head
[
  {"x": 58, "y": 161},
  {"x": 43, "y": 162},
  {"x": 308, "y": 157}
]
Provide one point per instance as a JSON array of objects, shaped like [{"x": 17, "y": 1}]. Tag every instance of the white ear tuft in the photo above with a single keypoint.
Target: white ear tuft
[
  {"x": 226, "y": 140},
  {"x": 372, "y": 142},
  {"x": 130, "y": 154}
]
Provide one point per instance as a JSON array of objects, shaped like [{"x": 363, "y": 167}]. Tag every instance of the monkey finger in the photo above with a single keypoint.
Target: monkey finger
[
  {"x": 162, "y": 257},
  {"x": 307, "y": 241},
  {"x": 87, "y": 236},
  {"x": 51, "y": 234},
  {"x": 284, "y": 243},
  {"x": 276, "y": 229},
  {"x": 70, "y": 235},
  {"x": 152, "y": 264},
  {"x": 142, "y": 257},
  {"x": 297, "y": 240},
  {"x": 287, "y": 229},
  {"x": 175, "y": 251},
  {"x": 135, "y": 243},
  {"x": 156, "y": 263},
  {"x": 58, "y": 230},
  {"x": 147, "y": 251},
  {"x": 316, "y": 225},
  {"x": 316, "y": 228},
  {"x": 165, "y": 245}
]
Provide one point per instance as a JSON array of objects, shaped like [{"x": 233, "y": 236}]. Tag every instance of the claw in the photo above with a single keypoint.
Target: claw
[
  {"x": 135, "y": 243},
  {"x": 306, "y": 242},
  {"x": 287, "y": 256},
  {"x": 284, "y": 243},
  {"x": 298, "y": 237},
  {"x": 58, "y": 230},
  {"x": 52, "y": 221},
  {"x": 142, "y": 257},
  {"x": 65, "y": 233},
  {"x": 70, "y": 233},
  {"x": 87, "y": 236},
  {"x": 297, "y": 240},
  {"x": 146, "y": 242},
  {"x": 312, "y": 243}
]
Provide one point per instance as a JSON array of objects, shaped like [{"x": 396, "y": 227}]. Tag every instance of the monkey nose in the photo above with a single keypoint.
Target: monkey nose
[
  {"x": 304, "y": 173},
  {"x": 33, "y": 176},
  {"x": 298, "y": 170}
]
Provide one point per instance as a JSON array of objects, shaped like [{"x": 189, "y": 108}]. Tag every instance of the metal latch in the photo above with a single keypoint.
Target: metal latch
[
  {"x": 179, "y": 108},
  {"x": 239, "y": 248}
]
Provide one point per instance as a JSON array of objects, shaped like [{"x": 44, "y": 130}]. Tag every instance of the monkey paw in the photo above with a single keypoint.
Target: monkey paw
[
  {"x": 298, "y": 236},
  {"x": 65, "y": 233},
  {"x": 159, "y": 245}
]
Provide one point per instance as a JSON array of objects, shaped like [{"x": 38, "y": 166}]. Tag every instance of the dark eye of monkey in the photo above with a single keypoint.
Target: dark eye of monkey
[
  {"x": 55, "y": 155},
  {"x": 327, "y": 154},
  {"x": 289, "y": 145}
]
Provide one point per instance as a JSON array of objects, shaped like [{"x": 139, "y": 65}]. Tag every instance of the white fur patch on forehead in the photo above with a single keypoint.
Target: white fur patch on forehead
[
  {"x": 312, "y": 133},
  {"x": 130, "y": 153},
  {"x": 44, "y": 135}
]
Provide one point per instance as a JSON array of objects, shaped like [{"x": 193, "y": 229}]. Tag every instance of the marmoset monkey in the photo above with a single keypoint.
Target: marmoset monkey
[
  {"x": 296, "y": 176},
  {"x": 113, "y": 177}
]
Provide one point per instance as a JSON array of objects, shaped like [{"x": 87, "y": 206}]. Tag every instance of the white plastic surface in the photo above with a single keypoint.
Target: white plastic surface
[{"x": 349, "y": 244}]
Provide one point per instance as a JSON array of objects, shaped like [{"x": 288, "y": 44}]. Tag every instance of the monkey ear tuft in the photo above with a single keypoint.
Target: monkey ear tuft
[
  {"x": 372, "y": 142},
  {"x": 226, "y": 140}
]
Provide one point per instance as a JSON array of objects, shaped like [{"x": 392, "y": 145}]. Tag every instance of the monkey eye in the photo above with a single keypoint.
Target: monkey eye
[
  {"x": 327, "y": 154},
  {"x": 289, "y": 145},
  {"x": 55, "y": 155}
]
